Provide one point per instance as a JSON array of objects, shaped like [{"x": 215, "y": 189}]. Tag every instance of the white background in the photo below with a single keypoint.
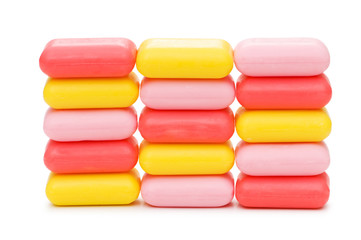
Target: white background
[{"x": 25, "y": 28}]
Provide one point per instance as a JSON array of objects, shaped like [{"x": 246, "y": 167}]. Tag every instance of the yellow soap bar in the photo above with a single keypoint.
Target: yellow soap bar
[
  {"x": 283, "y": 125},
  {"x": 93, "y": 189},
  {"x": 92, "y": 92},
  {"x": 186, "y": 158},
  {"x": 185, "y": 58}
]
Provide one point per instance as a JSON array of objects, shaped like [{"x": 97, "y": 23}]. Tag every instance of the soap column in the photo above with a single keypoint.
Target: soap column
[
  {"x": 90, "y": 122},
  {"x": 282, "y": 123},
  {"x": 186, "y": 123}
]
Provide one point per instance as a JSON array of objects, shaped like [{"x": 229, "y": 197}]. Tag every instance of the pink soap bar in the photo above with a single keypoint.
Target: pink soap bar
[
  {"x": 307, "y": 192},
  {"x": 91, "y": 156},
  {"x": 282, "y": 159},
  {"x": 187, "y": 94},
  {"x": 283, "y": 92},
  {"x": 261, "y": 57},
  {"x": 186, "y": 126},
  {"x": 188, "y": 191},
  {"x": 92, "y": 124},
  {"x": 88, "y": 57}
]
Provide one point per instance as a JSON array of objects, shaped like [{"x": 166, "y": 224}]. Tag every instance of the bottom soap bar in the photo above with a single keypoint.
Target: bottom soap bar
[
  {"x": 188, "y": 191},
  {"x": 93, "y": 189},
  {"x": 283, "y": 192}
]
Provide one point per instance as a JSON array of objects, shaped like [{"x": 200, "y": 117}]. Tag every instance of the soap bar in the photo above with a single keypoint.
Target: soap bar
[
  {"x": 186, "y": 158},
  {"x": 88, "y": 57},
  {"x": 283, "y": 125},
  {"x": 283, "y": 192},
  {"x": 282, "y": 159},
  {"x": 188, "y": 191},
  {"x": 185, "y": 58},
  {"x": 93, "y": 189},
  {"x": 91, "y": 156},
  {"x": 186, "y": 126},
  {"x": 184, "y": 94},
  {"x": 283, "y": 92},
  {"x": 91, "y": 92},
  {"x": 261, "y": 57},
  {"x": 90, "y": 124}
]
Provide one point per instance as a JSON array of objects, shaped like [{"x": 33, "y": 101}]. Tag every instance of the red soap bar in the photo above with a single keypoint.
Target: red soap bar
[
  {"x": 283, "y": 192},
  {"x": 91, "y": 156},
  {"x": 88, "y": 57},
  {"x": 186, "y": 126},
  {"x": 283, "y": 92}
]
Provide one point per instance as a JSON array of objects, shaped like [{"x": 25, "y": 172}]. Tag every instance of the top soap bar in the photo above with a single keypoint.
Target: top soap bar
[
  {"x": 185, "y": 58},
  {"x": 88, "y": 57},
  {"x": 267, "y": 57}
]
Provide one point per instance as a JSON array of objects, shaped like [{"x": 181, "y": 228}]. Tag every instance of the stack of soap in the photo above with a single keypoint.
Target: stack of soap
[
  {"x": 282, "y": 123},
  {"x": 90, "y": 122},
  {"x": 187, "y": 122}
]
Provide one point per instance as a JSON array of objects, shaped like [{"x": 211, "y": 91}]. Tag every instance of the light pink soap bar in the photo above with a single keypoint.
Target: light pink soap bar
[
  {"x": 282, "y": 159},
  {"x": 261, "y": 57},
  {"x": 81, "y": 125},
  {"x": 187, "y": 94},
  {"x": 188, "y": 191}
]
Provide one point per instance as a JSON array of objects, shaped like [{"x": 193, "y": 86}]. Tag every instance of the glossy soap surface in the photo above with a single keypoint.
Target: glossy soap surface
[
  {"x": 283, "y": 192},
  {"x": 261, "y": 57},
  {"x": 283, "y": 125},
  {"x": 282, "y": 159},
  {"x": 90, "y": 124},
  {"x": 283, "y": 92},
  {"x": 88, "y": 57},
  {"x": 186, "y": 158},
  {"x": 91, "y": 92},
  {"x": 184, "y": 58},
  {"x": 186, "y": 126},
  {"x": 187, "y": 94},
  {"x": 188, "y": 191},
  {"x": 91, "y": 156},
  {"x": 93, "y": 189}
]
